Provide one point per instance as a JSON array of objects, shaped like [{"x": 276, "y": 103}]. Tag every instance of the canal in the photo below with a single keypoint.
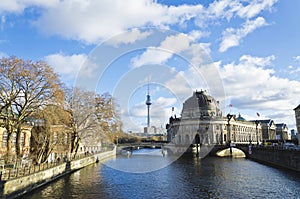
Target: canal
[{"x": 148, "y": 174}]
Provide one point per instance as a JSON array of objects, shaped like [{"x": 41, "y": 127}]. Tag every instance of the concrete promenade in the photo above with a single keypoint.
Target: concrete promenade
[{"x": 19, "y": 185}]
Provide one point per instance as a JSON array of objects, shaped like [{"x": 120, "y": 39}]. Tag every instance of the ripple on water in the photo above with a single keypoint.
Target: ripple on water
[{"x": 187, "y": 177}]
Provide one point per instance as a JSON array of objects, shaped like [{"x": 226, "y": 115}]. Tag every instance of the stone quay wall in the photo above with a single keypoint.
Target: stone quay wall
[
  {"x": 283, "y": 158},
  {"x": 80, "y": 163},
  {"x": 18, "y": 186}
]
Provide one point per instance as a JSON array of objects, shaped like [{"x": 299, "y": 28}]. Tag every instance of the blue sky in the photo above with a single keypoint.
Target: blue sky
[{"x": 243, "y": 52}]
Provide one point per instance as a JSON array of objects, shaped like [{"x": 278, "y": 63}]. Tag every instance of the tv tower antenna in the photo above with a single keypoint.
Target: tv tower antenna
[{"x": 148, "y": 103}]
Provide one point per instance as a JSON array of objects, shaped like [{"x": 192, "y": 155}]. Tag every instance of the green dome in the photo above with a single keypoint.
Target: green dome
[{"x": 240, "y": 118}]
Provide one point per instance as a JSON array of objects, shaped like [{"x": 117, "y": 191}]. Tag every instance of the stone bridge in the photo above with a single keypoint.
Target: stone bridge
[
  {"x": 176, "y": 149},
  {"x": 245, "y": 148}
]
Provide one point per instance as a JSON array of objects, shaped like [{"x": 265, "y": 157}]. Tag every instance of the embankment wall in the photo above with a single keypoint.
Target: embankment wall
[
  {"x": 289, "y": 159},
  {"x": 16, "y": 187}
]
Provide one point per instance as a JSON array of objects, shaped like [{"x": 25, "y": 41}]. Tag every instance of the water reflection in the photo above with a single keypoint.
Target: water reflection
[
  {"x": 187, "y": 177},
  {"x": 141, "y": 161}
]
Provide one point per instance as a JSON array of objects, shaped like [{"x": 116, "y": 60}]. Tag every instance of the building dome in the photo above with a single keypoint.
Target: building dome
[
  {"x": 240, "y": 118},
  {"x": 201, "y": 105}
]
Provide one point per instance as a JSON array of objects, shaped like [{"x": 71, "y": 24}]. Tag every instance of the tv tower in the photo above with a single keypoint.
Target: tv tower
[{"x": 148, "y": 103}]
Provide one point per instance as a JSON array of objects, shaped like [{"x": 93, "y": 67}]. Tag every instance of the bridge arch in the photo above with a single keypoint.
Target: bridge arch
[{"x": 233, "y": 151}]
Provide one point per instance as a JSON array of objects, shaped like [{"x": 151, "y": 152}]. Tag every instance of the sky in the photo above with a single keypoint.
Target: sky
[{"x": 242, "y": 52}]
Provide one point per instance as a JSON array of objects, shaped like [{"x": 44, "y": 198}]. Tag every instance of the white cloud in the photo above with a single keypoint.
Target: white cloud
[
  {"x": 17, "y": 6},
  {"x": 257, "y": 61},
  {"x": 255, "y": 7},
  {"x": 197, "y": 34},
  {"x": 66, "y": 65},
  {"x": 223, "y": 9},
  {"x": 2, "y": 54},
  {"x": 232, "y": 37},
  {"x": 2, "y": 22},
  {"x": 180, "y": 44},
  {"x": 182, "y": 89},
  {"x": 250, "y": 86},
  {"x": 157, "y": 55},
  {"x": 294, "y": 70},
  {"x": 297, "y": 58},
  {"x": 92, "y": 21},
  {"x": 129, "y": 37},
  {"x": 228, "y": 9}
]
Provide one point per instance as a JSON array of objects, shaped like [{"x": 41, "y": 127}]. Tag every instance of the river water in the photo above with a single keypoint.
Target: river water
[{"x": 187, "y": 177}]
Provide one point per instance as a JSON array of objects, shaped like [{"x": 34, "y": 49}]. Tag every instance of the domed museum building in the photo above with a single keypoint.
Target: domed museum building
[{"x": 202, "y": 118}]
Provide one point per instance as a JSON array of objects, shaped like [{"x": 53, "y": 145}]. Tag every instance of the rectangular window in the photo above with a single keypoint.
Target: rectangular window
[
  {"x": 4, "y": 139},
  {"x": 66, "y": 138},
  {"x": 14, "y": 140},
  {"x": 54, "y": 138},
  {"x": 22, "y": 141}
]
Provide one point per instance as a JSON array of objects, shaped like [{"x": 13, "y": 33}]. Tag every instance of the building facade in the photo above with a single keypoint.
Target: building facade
[
  {"x": 24, "y": 140},
  {"x": 282, "y": 132},
  {"x": 268, "y": 128},
  {"x": 297, "y": 117},
  {"x": 202, "y": 121}
]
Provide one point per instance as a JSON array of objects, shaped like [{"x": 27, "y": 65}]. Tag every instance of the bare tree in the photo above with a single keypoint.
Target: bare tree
[
  {"x": 108, "y": 116},
  {"x": 26, "y": 86},
  {"x": 93, "y": 117},
  {"x": 82, "y": 109},
  {"x": 43, "y": 139}
]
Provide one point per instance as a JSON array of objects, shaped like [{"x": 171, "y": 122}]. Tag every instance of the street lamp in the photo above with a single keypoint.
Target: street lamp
[{"x": 229, "y": 116}]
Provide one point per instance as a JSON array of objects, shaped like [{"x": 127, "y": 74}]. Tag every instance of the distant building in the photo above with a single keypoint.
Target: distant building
[
  {"x": 282, "y": 132},
  {"x": 150, "y": 130},
  {"x": 268, "y": 128},
  {"x": 293, "y": 134},
  {"x": 297, "y": 117}
]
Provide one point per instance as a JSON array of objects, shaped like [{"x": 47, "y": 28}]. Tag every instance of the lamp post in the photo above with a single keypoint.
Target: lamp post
[{"x": 229, "y": 116}]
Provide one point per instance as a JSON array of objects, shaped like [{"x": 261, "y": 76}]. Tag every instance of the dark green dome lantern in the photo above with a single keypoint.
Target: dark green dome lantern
[{"x": 240, "y": 118}]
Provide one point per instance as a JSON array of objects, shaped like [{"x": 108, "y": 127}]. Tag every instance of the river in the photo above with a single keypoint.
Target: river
[{"x": 147, "y": 174}]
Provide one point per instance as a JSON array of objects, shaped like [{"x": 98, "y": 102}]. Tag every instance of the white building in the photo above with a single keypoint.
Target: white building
[{"x": 201, "y": 119}]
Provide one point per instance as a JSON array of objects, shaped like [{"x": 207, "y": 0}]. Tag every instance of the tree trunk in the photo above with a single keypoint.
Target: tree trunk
[
  {"x": 9, "y": 145},
  {"x": 18, "y": 141}
]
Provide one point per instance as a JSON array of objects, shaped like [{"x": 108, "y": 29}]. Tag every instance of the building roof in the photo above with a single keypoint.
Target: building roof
[
  {"x": 267, "y": 122},
  {"x": 281, "y": 126},
  {"x": 298, "y": 107},
  {"x": 200, "y": 104}
]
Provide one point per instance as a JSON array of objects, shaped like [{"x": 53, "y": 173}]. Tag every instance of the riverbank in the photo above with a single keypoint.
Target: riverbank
[
  {"x": 276, "y": 157},
  {"x": 18, "y": 186}
]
